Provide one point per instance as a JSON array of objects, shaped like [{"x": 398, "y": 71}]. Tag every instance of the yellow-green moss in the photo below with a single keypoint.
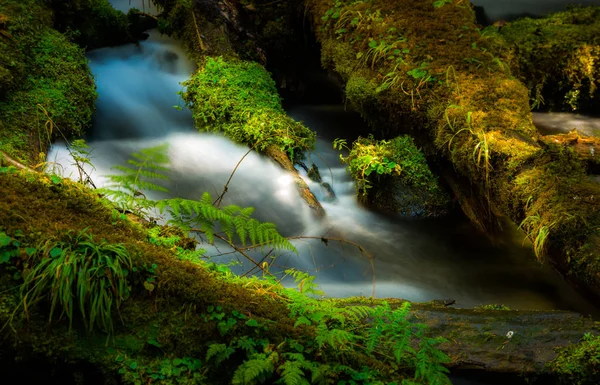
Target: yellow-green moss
[
  {"x": 427, "y": 67},
  {"x": 240, "y": 100},
  {"x": 557, "y": 56}
]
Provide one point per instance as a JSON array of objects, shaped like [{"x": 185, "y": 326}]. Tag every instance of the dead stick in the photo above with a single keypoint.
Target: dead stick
[
  {"x": 202, "y": 47},
  {"x": 10, "y": 160}
]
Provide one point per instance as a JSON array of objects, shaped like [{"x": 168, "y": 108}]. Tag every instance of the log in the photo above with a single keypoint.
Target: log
[
  {"x": 281, "y": 159},
  {"x": 587, "y": 147},
  {"x": 478, "y": 339}
]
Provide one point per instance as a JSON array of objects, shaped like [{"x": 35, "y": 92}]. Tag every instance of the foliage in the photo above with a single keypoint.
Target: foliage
[
  {"x": 126, "y": 189},
  {"x": 240, "y": 100},
  {"x": 78, "y": 272},
  {"x": 579, "y": 364},
  {"x": 557, "y": 57},
  {"x": 92, "y": 23},
  {"x": 341, "y": 333},
  {"x": 202, "y": 324},
  {"x": 369, "y": 160},
  {"x": 43, "y": 78},
  {"x": 150, "y": 164}
]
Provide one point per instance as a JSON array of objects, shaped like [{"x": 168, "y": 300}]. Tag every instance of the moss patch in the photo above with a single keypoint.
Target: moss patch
[
  {"x": 557, "y": 57},
  {"x": 47, "y": 89},
  {"x": 393, "y": 175},
  {"x": 240, "y": 100}
]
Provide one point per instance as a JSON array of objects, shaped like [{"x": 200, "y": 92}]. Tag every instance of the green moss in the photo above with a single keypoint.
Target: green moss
[
  {"x": 50, "y": 92},
  {"x": 427, "y": 68},
  {"x": 579, "y": 364},
  {"x": 394, "y": 175},
  {"x": 557, "y": 57},
  {"x": 240, "y": 100}
]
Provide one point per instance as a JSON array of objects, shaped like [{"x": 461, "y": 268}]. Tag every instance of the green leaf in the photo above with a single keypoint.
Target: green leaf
[
  {"x": 4, "y": 240},
  {"x": 252, "y": 323},
  {"x": 55, "y": 252}
]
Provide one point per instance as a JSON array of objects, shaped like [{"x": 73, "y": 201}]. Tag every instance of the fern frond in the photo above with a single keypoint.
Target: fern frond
[
  {"x": 260, "y": 367},
  {"x": 219, "y": 352},
  {"x": 336, "y": 338},
  {"x": 292, "y": 374}
]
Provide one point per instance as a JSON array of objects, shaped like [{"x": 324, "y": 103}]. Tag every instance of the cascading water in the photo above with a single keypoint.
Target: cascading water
[{"x": 418, "y": 260}]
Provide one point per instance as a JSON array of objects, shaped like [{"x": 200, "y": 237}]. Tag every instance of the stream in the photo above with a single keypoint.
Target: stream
[
  {"x": 415, "y": 259},
  {"x": 410, "y": 258}
]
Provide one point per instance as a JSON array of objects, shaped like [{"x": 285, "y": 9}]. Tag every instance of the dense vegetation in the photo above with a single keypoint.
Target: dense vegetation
[
  {"x": 141, "y": 303},
  {"x": 557, "y": 58},
  {"x": 82, "y": 281},
  {"x": 46, "y": 87},
  {"x": 413, "y": 65}
]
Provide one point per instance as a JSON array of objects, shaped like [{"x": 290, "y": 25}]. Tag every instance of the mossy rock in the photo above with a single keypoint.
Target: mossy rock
[
  {"x": 393, "y": 175},
  {"x": 557, "y": 58},
  {"x": 48, "y": 89}
]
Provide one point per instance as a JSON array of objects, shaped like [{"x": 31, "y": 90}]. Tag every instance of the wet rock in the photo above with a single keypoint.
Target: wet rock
[
  {"x": 329, "y": 193},
  {"x": 314, "y": 174}
]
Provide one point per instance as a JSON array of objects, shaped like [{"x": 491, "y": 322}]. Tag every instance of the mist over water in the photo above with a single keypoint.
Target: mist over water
[{"x": 414, "y": 259}]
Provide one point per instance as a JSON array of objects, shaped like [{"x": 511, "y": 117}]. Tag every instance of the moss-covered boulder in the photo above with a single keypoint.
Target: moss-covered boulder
[
  {"x": 557, "y": 57},
  {"x": 424, "y": 67},
  {"x": 46, "y": 88},
  {"x": 393, "y": 175}
]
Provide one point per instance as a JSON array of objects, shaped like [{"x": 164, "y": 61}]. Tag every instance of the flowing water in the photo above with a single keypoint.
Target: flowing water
[
  {"x": 415, "y": 259},
  {"x": 511, "y": 9}
]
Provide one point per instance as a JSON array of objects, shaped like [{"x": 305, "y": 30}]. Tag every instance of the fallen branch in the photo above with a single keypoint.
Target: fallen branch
[
  {"x": 11, "y": 161},
  {"x": 587, "y": 147}
]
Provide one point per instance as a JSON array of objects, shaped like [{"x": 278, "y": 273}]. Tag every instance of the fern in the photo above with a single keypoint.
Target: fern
[
  {"x": 145, "y": 167},
  {"x": 220, "y": 352},
  {"x": 232, "y": 221},
  {"x": 335, "y": 338},
  {"x": 292, "y": 373},
  {"x": 256, "y": 370}
]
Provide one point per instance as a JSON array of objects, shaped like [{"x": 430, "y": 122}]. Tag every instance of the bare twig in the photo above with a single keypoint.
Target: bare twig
[
  {"x": 239, "y": 250},
  {"x": 217, "y": 201},
  {"x": 323, "y": 239},
  {"x": 345, "y": 241},
  {"x": 9, "y": 160},
  {"x": 202, "y": 46}
]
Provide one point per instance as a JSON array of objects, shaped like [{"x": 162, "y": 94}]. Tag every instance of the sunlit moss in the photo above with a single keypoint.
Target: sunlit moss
[
  {"x": 394, "y": 175},
  {"x": 430, "y": 70},
  {"x": 240, "y": 100},
  {"x": 558, "y": 57}
]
